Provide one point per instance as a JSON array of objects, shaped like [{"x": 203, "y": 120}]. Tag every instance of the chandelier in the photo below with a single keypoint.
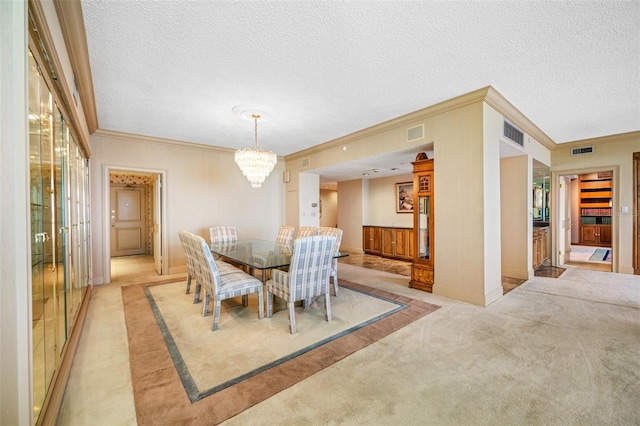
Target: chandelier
[{"x": 255, "y": 163}]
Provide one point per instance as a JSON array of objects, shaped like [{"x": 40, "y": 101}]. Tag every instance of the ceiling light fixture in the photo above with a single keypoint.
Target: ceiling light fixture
[{"x": 255, "y": 163}]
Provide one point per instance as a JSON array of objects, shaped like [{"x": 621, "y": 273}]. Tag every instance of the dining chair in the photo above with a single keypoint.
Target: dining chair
[
  {"x": 285, "y": 235},
  {"x": 223, "y": 287},
  {"x": 306, "y": 231},
  {"x": 337, "y": 233},
  {"x": 191, "y": 248},
  {"x": 307, "y": 278},
  {"x": 186, "y": 247},
  {"x": 220, "y": 234}
]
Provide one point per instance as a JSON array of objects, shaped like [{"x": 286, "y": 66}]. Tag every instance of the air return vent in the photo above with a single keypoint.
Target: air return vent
[
  {"x": 415, "y": 133},
  {"x": 512, "y": 133},
  {"x": 306, "y": 162},
  {"x": 583, "y": 150}
]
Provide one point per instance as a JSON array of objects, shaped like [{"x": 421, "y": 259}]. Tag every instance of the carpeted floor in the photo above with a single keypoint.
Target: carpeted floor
[{"x": 159, "y": 389}]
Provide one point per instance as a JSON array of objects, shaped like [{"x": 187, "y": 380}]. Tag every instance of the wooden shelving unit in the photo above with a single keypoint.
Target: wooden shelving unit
[{"x": 595, "y": 208}]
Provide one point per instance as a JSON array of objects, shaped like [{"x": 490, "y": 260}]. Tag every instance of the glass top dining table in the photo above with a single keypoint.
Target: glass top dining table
[{"x": 257, "y": 254}]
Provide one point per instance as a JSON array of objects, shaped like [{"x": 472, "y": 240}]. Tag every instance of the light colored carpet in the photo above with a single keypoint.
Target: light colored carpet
[{"x": 553, "y": 351}]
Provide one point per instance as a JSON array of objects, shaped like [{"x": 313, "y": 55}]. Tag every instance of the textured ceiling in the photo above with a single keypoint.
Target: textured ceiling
[{"x": 325, "y": 69}]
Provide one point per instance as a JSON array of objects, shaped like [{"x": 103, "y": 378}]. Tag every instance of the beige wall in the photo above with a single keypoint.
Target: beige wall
[
  {"x": 204, "y": 187},
  {"x": 514, "y": 207},
  {"x": 381, "y": 208},
  {"x": 350, "y": 213},
  {"x": 611, "y": 153},
  {"x": 16, "y": 394},
  {"x": 459, "y": 204},
  {"x": 329, "y": 199}
]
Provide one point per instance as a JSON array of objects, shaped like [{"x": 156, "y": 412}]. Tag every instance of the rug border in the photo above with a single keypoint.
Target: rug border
[
  {"x": 190, "y": 386},
  {"x": 161, "y": 398}
]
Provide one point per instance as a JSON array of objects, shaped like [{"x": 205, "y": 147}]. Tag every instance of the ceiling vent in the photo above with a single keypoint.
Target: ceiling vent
[
  {"x": 583, "y": 150},
  {"x": 512, "y": 133}
]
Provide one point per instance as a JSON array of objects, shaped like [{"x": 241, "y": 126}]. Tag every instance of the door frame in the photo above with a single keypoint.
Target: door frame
[
  {"x": 106, "y": 213},
  {"x": 615, "y": 231}
]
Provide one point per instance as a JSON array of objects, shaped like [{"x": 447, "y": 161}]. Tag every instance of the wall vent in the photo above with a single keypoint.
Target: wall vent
[
  {"x": 512, "y": 133},
  {"x": 415, "y": 133},
  {"x": 583, "y": 150},
  {"x": 306, "y": 162}
]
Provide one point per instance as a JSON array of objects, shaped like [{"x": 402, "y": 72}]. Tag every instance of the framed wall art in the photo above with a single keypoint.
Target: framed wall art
[{"x": 404, "y": 197}]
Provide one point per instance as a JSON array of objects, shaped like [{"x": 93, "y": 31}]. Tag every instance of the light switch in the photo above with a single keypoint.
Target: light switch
[{"x": 624, "y": 209}]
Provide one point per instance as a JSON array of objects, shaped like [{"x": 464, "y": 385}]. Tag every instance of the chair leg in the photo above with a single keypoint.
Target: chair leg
[
  {"x": 216, "y": 313},
  {"x": 292, "y": 318},
  {"x": 269, "y": 305},
  {"x": 188, "y": 283},
  {"x": 196, "y": 293},
  {"x": 205, "y": 306},
  {"x": 335, "y": 284},
  {"x": 327, "y": 306},
  {"x": 260, "y": 304}
]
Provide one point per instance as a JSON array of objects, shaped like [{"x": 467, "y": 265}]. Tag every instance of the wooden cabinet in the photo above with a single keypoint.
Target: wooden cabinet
[
  {"x": 388, "y": 242},
  {"x": 540, "y": 253},
  {"x": 371, "y": 240},
  {"x": 422, "y": 270},
  {"x": 595, "y": 208},
  {"x": 395, "y": 243},
  {"x": 595, "y": 235}
]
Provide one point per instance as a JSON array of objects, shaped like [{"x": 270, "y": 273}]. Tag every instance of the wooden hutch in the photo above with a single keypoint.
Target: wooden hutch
[{"x": 422, "y": 267}]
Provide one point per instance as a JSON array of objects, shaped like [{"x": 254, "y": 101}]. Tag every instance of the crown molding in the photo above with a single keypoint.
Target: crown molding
[
  {"x": 403, "y": 120},
  {"x": 498, "y": 102},
  {"x": 112, "y": 134},
  {"x": 75, "y": 38},
  {"x": 619, "y": 137}
]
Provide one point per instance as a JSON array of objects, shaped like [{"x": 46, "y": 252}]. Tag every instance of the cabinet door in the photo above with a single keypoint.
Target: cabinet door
[
  {"x": 388, "y": 242},
  {"x": 588, "y": 234},
  {"x": 411, "y": 246},
  {"x": 377, "y": 244},
  {"x": 367, "y": 239},
  {"x": 605, "y": 234},
  {"x": 402, "y": 243}
]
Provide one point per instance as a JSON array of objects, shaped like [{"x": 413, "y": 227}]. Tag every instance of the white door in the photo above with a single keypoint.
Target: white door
[
  {"x": 157, "y": 221},
  {"x": 564, "y": 220},
  {"x": 128, "y": 224}
]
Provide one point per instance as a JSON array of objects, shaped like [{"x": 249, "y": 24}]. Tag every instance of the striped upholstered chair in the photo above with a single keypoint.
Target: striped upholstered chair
[
  {"x": 189, "y": 245},
  {"x": 306, "y": 231},
  {"x": 285, "y": 235},
  {"x": 219, "y": 287},
  {"x": 223, "y": 235},
  {"x": 337, "y": 233},
  {"x": 191, "y": 266},
  {"x": 308, "y": 276}
]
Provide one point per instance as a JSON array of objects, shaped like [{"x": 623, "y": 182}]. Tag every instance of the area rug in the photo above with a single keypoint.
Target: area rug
[
  {"x": 599, "y": 255},
  {"x": 161, "y": 394}
]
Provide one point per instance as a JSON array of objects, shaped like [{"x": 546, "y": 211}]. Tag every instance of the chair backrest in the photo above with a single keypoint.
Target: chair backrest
[
  {"x": 334, "y": 232},
  {"x": 208, "y": 273},
  {"x": 310, "y": 267},
  {"x": 223, "y": 234},
  {"x": 285, "y": 234},
  {"x": 306, "y": 231},
  {"x": 186, "y": 246}
]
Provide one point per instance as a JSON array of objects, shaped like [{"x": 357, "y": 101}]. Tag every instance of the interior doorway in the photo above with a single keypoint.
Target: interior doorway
[
  {"x": 134, "y": 218},
  {"x": 584, "y": 236}
]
